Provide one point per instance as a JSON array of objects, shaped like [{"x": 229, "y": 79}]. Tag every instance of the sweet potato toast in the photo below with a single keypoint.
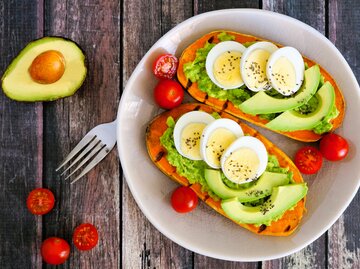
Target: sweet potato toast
[
  {"x": 282, "y": 227},
  {"x": 189, "y": 55}
]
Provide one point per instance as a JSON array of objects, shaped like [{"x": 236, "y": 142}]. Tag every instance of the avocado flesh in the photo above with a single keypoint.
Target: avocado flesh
[
  {"x": 262, "y": 187},
  {"x": 18, "y": 85},
  {"x": 282, "y": 199},
  {"x": 292, "y": 120},
  {"x": 261, "y": 103}
]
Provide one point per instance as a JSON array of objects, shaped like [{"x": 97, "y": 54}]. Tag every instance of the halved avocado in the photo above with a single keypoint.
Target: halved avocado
[{"x": 18, "y": 84}]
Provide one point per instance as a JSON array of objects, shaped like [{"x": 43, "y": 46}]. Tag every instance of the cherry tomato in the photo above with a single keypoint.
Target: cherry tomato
[
  {"x": 334, "y": 147},
  {"x": 165, "y": 66},
  {"x": 184, "y": 199},
  {"x": 40, "y": 201},
  {"x": 168, "y": 94},
  {"x": 308, "y": 160},
  {"x": 85, "y": 236},
  {"x": 55, "y": 250}
]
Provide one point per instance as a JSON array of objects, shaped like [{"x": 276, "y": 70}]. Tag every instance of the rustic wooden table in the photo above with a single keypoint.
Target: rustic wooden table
[{"x": 34, "y": 137}]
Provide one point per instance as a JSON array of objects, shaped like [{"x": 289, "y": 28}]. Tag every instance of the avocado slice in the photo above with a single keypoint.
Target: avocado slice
[
  {"x": 262, "y": 103},
  {"x": 282, "y": 198},
  {"x": 262, "y": 187},
  {"x": 18, "y": 84},
  {"x": 292, "y": 120}
]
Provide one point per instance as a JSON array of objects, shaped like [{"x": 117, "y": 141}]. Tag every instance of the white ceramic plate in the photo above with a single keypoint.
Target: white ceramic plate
[{"x": 203, "y": 230}]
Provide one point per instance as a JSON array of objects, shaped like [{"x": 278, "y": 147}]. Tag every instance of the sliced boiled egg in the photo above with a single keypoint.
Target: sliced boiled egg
[
  {"x": 285, "y": 70},
  {"x": 187, "y": 133},
  {"x": 253, "y": 65},
  {"x": 223, "y": 64},
  {"x": 216, "y": 137},
  {"x": 244, "y": 160}
]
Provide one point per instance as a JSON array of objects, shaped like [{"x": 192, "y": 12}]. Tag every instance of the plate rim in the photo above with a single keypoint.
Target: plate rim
[{"x": 122, "y": 154}]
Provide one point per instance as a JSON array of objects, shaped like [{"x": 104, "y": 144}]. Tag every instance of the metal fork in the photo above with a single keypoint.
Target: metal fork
[{"x": 95, "y": 145}]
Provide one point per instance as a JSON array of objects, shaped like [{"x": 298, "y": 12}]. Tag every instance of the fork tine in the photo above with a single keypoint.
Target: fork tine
[
  {"x": 94, "y": 151},
  {"x": 90, "y": 146},
  {"x": 83, "y": 142},
  {"x": 102, "y": 153}
]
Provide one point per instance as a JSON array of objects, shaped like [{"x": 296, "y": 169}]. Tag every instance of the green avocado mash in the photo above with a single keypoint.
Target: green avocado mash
[
  {"x": 194, "y": 170},
  {"x": 225, "y": 37},
  {"x": 195, "y": 71},
  {"x": 325, "y": 125}
]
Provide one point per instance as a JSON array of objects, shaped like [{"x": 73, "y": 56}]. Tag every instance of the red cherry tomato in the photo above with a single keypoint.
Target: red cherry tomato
[
  {"x": 168, "y": 94},
  {"x": 165, "y": 66},
  {"x": 184, "y": 199},
  {"x": 55, "y": 250},
  {"x": 334, "y": 147},
  {"x": 308, "y": 160},
  {"x": 40, "y": 201},
  {"x": 85, "y": 236}
]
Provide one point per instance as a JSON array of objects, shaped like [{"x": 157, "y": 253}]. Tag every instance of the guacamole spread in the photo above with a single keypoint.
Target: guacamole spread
[
  {"x": 194, "y": 170},
  {"x": 195, "y": 71}
]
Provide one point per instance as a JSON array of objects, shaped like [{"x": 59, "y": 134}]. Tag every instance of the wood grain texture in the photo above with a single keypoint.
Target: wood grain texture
[
  {"x": 21, "y": 146},
  {"x": 143, "y": 245},
  {"x": 201, "y": 6},
  {"x": 94, "y": 25},
  {"x": 344, "y": 235}
]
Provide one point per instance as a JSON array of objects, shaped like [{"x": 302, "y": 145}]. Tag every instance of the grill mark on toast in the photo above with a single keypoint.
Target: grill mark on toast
[
  {"x": 188, "y": 84},
  {"x": 225, "y": 105},
  {"x": 159, "y": 156},
  {"x": 262, "y": 228},
  {"x": 197, "y": 108}
]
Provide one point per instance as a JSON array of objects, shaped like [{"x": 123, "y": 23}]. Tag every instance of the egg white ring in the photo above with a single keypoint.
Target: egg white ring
[
  {"x": 264, "y": 45},
  {"x": 253, "y": 144},
  {"x": 183, "y": 121},
  {"x": 228, "y": 124},
  {"x": 294, "y": 56},
  {"x": 215, "y": 52}
]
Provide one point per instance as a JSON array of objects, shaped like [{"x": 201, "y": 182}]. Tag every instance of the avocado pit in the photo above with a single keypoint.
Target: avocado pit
[{"x": 48, "y": 67}]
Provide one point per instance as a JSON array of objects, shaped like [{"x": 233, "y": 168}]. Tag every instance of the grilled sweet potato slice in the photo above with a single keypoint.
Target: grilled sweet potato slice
[
  {"x": 282, "y": 227},
  {"x": 189, "y": 55}
]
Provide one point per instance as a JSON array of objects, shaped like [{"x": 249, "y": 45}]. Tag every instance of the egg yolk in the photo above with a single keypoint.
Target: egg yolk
[
  {"x": 284, "y": 73},
  {"x": 48, "y": 67},
  {"x": 227, "y": 69},
  {"x": 241, "y": 165},
  {"x": 218, "y": 141},
  {"x": 255, "y": 69},
  {"x": 190, "y": 139}
]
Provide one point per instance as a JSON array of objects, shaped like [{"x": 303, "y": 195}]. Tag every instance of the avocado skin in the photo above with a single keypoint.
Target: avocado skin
[
  {"x": 282, "y": 199},
  {"x": 292, "y": 120},
  {"x": 262, "y": 187},
  {"x": 261, "y": 103},
  {"x": 60, "y": 94}
]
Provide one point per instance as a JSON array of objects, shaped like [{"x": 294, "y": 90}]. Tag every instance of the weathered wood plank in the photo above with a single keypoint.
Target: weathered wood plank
[
  {"x": 21, "y": 145},
  {"x": 201, "y": 6},
  {"x": 344, "y": 235},
  {"x": 312, "y": 13},
  {"x": 144, "y": 246},
  {"x": 94, "y": 25}
]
